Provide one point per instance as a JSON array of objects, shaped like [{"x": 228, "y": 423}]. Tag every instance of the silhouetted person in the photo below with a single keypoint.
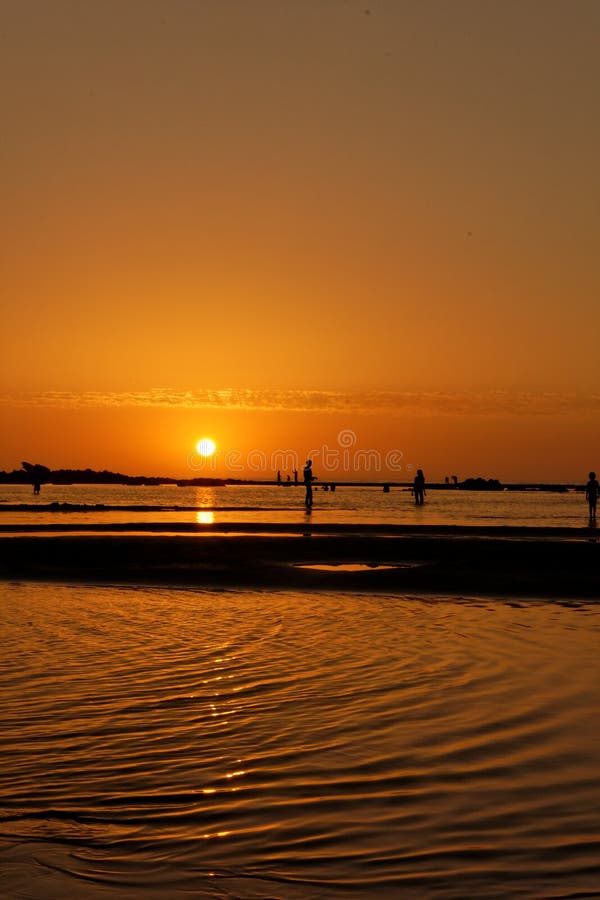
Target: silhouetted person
[
  {"x": 36, "y": 487},
  {"x": 419, "y": 488},
  {"x": 289, "y": 479},
  {"x": 308, "y": 480},
  {"x": 591, "y": 495},
  {"x": 278, "y": 477},
  {"x": 295, "y": 476}
]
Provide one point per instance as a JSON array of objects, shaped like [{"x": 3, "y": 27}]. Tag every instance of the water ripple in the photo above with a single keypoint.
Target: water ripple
[{"x": 279, "y": 745}]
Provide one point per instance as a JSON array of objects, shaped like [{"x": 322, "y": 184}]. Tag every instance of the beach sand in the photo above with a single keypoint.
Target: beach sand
[{"x": 495, "y": 561}]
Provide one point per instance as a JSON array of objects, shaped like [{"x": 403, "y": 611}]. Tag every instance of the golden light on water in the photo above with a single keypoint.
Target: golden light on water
[
  {"x": 206, "y": 447},
  {"x": 205, "y": 517}
]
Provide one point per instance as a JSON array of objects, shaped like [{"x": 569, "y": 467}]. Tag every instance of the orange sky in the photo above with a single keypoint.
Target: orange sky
[{"x": 398, "y": 210}]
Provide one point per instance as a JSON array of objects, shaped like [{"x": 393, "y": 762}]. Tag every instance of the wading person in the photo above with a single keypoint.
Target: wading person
[
  {"x": 419, "y": 488},
  {"x": 591, "y": 495},
  {"x": 308, "y": 480}
]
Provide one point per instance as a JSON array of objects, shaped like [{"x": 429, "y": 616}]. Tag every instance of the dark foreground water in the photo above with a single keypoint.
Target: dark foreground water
[{"x": 166, "y": 743}]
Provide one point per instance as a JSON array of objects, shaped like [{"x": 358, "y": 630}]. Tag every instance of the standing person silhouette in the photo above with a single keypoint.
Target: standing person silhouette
[
  {"x": 308, "y": 480},
  {"x": 591, "y": 495},
  {"x": 419, "y": 488}
]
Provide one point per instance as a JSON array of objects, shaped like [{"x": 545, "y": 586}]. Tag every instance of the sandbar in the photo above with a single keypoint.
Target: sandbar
[{"x": 527, "y": 562}]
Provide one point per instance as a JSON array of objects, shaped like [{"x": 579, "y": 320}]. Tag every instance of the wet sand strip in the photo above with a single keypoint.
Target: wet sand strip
[
  {"x": 521, "y": 532},
  {"x": 440, "y": 562}
]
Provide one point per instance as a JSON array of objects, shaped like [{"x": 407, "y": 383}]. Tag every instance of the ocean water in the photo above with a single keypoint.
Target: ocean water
[
  {"x": 166, "y": 743},
  {"x": 349, "y": 505}
]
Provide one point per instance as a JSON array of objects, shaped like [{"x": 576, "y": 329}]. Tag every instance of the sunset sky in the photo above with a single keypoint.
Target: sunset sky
[{"x": 277, "y": 223}]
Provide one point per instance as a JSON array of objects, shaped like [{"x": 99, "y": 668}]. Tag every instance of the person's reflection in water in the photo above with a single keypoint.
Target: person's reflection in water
[{"x": 591, "y": 495}]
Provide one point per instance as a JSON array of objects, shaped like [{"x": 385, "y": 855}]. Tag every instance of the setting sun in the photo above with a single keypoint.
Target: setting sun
[{"x": 206, "y": 447}]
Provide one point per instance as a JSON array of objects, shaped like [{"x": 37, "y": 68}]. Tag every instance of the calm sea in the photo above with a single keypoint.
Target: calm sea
[
  {"x": 176, "y": 742},
  {"x": 272, "y": 504}
]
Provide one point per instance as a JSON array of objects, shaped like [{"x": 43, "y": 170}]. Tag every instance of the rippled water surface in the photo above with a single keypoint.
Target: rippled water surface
[{"x": 168, "y": 743}]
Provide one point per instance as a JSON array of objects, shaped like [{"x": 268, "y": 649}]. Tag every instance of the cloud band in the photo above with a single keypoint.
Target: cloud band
[{"x": 396, "y": 403}]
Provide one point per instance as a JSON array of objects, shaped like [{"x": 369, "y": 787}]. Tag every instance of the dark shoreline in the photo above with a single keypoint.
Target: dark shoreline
[
  {"x": 457, "y": 560},
  {"x": 307, "y": 527}
]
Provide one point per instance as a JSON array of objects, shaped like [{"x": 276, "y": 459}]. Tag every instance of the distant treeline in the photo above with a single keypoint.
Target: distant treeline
[
  {"x": 481, "y": 484},
  {"x": 34, "y": 473}
]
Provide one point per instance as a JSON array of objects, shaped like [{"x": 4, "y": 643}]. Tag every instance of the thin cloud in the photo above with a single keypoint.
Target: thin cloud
[{"x": 390, "y": 403}]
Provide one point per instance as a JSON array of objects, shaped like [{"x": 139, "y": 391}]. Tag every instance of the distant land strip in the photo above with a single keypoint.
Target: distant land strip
[{"x": 36, "y": 473}]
